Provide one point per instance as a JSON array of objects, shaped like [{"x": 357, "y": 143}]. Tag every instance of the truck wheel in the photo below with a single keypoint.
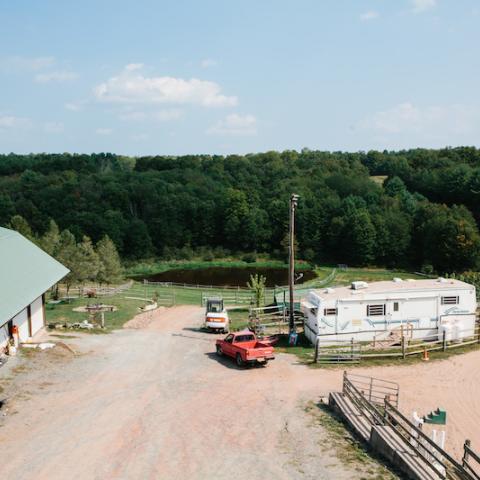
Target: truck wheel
[
  {"x": 219, "y": 351},
  {"x": 239, "y": 360}
]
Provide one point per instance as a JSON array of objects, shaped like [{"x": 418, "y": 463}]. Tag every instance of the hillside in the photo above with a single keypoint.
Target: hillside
[{"x": 415, "y": 208}]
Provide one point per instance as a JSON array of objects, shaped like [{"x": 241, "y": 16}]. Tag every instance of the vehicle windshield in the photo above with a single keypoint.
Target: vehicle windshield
[
  {"x": 215, "y": 307},
  {"x": 244, "y": 338}
]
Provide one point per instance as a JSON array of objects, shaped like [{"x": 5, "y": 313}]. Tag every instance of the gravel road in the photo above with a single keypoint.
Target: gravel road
[{"x": 154, "y": 402}]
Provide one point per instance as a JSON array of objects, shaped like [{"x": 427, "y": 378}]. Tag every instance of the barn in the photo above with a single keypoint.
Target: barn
[
  {"x": 26, "y": 273},
  {"x": 364, "y": 311}
]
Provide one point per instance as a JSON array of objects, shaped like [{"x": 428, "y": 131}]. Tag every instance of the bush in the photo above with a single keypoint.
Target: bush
[{"x": 250, "y": 257}]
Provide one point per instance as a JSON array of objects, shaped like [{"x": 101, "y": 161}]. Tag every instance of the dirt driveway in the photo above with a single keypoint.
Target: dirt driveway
[{"x": 155, "y": 402}]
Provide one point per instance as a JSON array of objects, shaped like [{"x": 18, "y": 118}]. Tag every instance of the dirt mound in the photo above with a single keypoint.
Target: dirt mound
[{"x": 142, "y": 320}]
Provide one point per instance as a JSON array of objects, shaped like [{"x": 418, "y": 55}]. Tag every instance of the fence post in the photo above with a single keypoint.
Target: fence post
[
  {"x": 444, "y": 340},
  {"x": 351, "y": 349},
  {"x": 404, "y": 353},
  {"x": 317, "y": 347},
  {"x": 466, "y": 446}
]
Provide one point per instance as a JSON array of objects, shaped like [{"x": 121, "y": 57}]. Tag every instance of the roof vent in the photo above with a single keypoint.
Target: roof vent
[
  {"x": 442, "y": 280},
  {"x": 359, "y": 285},
  {"x": 397, "y": 280},
  {"x": 329, "y": 290}
]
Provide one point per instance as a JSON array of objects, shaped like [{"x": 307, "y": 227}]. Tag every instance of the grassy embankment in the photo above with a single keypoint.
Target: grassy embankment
[{"x": 160, "y": 266}]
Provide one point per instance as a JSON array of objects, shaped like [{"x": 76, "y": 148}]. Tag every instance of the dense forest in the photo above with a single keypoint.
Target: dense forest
[{"x": 417, "y": 208}]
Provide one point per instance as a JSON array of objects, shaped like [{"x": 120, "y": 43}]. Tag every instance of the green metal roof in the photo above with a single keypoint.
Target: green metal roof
[{"x": 26, "y": 272}]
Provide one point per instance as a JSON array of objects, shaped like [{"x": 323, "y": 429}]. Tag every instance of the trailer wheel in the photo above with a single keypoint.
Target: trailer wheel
[
  {"x": 219, "y": 351},
  {"x": 239, "y": 360}
]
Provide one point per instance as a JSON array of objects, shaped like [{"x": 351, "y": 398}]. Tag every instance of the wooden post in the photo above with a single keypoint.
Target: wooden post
[
  {"x": 317, "y": 348},
  {"x": 404, "y": 353},
  {"x": 351, "y": 349},
  {"x": 466, "y": 446},
  {"x": 444, "y": 341}
]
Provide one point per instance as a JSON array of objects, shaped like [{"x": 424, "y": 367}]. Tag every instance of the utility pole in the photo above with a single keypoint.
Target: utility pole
[{"x": 291, "y": 260}]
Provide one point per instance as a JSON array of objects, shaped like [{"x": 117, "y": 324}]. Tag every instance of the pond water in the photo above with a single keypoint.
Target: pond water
[{"x": 221, "y": 276}]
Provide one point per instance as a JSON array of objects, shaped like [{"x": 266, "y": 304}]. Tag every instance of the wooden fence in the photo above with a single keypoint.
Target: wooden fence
[
  {"x": 351, "y": 350},
  {"x": 471, "y": 460},
  {"x": 406, "y": 432},
  {"x": 273, "y": 319},
  {"x": 96, "y": 290}
]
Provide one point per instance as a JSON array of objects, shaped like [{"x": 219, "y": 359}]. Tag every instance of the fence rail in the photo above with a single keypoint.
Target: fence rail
[
  {"x": 471, "y": 460},
  {"x": 96, "y": 290},
  {"x": 328, "y": 351},
  {"x": 431, "y": 454}
]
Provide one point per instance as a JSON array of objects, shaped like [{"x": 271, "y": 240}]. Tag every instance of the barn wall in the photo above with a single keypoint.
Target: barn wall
[
  {"x": 21, "y": 320},
  {"x": 37, "y": 315},
  {"x": 3, "y": 336}
]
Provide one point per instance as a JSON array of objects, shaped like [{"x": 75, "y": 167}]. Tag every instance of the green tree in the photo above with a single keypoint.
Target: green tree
[
  {"x": 50, "y": 240},
  {"x": 88, "y": 263},
  {"x": 110, "y": 270},
  {"x": 67, "y": 254},
  {"x": 19, "y": 224},
  {"x": 257, "y": 286}
]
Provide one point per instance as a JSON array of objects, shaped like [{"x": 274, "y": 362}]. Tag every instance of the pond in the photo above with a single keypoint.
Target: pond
[{"x": 222, "y": 276}]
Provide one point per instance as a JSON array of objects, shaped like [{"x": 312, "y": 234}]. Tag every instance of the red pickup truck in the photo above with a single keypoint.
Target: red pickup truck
[{"x": 245, "y": 348}]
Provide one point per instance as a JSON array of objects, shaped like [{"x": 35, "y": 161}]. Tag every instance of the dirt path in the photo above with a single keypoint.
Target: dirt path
[{"x": 156, "y": 403}]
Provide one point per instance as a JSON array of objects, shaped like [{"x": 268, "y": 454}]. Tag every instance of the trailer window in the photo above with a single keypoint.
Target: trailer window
[
  {"x": 395, "y": 306},
  {"x": 329, "y": 311},
  {"x": 450, "y": 300},
  {"x": 375, "y": 310}
]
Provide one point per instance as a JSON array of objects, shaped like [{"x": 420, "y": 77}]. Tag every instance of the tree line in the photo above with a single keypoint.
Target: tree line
[
  {"x": 88, "y": 263},
  {"x": 412, "y": 209}
]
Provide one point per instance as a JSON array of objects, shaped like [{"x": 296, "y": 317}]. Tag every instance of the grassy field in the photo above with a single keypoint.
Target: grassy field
[
  {"x": 344, "y": 277},
  {"x": 63, "y": 312},
  {"x": 178, "y": 295},
  {"x": 159, "y": 266}
]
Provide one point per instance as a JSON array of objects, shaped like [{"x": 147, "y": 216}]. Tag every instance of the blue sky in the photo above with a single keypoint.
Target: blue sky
[{"x": 177, "y": 77}]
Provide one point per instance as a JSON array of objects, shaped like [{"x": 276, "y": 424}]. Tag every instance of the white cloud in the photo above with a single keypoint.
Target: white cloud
[
  {"x": 75, "y": 106},
  {"x": 130, "y": 86},
  {"x": 235, "y": 124},
  {"x": 133, "y": 66},
  {"x": 419, "y": 6},
  {"x": 26, "y": 64},
  {"x": 160, "y": 116},
  {"x": 208, "y": 62},
  {"x": 103, "y": 131},
  {"x": 166, "y": 115},
  {"x": 58, "y": 76},
  {"x": 53, "y": 127},
  {"x": 370, "y": 15},
  {"x": 133, "y": 116},
  {"x": 10, "y": 121},
  {"x": 436, "y": 121}
]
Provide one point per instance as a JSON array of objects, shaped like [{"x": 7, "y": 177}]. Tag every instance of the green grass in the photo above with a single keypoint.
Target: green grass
[
  {"x": 345, "y": 277},
  {"x": 159, "y": 266},
  {"x": 127, "y": 309},
  {"x": 238, "y": 319},
  {"x": 347, "y": 449},
  {"x": 305, "y": 352}
]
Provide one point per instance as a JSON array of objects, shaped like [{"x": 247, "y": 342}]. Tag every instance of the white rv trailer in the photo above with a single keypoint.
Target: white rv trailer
[{"x": 364, "y": 311}]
